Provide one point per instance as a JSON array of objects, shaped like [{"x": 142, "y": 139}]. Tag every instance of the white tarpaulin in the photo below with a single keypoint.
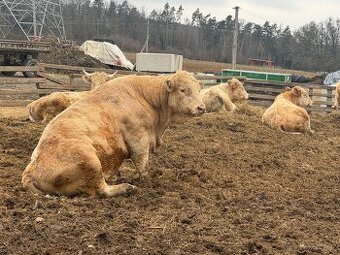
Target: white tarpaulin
[
  {"x": 332, "y": 78},
  {"x": 106, "y": 53}
]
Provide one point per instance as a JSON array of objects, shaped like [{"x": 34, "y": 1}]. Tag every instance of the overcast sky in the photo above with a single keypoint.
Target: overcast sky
[{"x": 294, "y": 13}]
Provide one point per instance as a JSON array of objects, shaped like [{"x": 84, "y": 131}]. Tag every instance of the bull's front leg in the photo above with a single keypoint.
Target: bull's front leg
[
  {"x": 140, "y": 155},
  {"x": 140, "y": 160}
]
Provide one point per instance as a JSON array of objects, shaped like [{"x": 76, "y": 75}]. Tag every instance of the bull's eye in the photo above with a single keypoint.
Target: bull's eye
[{"x": 182, "y": 90}]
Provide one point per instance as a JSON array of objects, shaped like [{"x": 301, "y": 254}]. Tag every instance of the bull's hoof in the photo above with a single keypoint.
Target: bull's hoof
[{"x": 128, "y": 188}]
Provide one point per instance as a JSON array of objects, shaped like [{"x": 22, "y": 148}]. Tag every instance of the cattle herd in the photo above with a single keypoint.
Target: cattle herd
[{"x": 89, "y": 134}]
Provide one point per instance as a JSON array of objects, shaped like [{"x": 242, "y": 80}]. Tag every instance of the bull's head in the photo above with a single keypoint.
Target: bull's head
[
  {"x": 301, "y": 96},
  {"x": 184, "y": 94},
  {"x": 237, "y": 89},
  {"x": 97, "y": 78}
]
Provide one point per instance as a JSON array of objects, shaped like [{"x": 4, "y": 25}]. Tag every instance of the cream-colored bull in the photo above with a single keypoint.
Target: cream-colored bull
[
  {"x": 220, "y": 98},
  {"x": 123, "y": 118},
  {"x": 337, "y": 96},
  {"x": 46, "y": 108},
  {"x": 287, "y": 114}
]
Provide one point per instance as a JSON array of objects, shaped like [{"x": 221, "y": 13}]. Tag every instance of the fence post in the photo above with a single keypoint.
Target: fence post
[
  {"x": 329, "y": 97},
  {"x": 71, "y": 79},
  {"x": 38, "y": 87},
  {"x": 311, "y": 94}
]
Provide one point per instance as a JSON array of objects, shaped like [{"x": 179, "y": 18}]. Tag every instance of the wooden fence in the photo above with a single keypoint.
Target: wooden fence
[
  {"x": 264, "y": 93},
  {"x": 261, "y": 92}
]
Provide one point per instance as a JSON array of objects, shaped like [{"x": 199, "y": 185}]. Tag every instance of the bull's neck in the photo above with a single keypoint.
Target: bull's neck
[
  {"x": 290, "y": 97},
  {"x": 226, "y": 88},
  {"x": 156, "y": 96}
]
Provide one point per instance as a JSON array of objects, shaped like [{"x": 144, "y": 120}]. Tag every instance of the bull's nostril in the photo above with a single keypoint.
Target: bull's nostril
[{"x": 201, "y": 108}]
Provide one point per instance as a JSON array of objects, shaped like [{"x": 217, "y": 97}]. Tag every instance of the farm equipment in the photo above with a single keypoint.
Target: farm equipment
[{"x": 21, "y": 53}]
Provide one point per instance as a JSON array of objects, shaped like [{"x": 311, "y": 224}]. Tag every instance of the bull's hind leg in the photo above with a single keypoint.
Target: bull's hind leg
[
  {"x": 71, "y": 177},
  {"x": 96, "y": 184},
  {"x": 96, "y": 181}
]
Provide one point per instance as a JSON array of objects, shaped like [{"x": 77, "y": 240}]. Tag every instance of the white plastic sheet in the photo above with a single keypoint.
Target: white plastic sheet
[
  {"x": 106, "y": 53},
  {"x": 332, "y": 78}
]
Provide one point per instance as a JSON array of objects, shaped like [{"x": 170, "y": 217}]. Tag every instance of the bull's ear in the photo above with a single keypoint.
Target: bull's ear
[
  {"x": 111, "y": 76},
  {"x": 170, "y": 85},
  {"x": 287, "y": 88},
  {"x": 296, "y": 91},
  {"x": 86, "y": 78}
]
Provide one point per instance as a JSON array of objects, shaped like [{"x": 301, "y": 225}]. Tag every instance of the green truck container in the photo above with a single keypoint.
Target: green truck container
[{"x": 252, "y": 75}]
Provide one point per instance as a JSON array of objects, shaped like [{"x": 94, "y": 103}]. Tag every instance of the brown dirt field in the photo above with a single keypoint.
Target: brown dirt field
[
  {"x": 191, "y": 65},
  {"x": 220, "y": 184}
]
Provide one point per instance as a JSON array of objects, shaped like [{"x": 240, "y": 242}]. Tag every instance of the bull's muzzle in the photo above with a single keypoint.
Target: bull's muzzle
[{"x": 200, "y": 109}]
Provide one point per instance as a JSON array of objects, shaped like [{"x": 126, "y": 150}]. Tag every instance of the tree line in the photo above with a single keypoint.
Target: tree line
[{"x": 314, "y": 46}]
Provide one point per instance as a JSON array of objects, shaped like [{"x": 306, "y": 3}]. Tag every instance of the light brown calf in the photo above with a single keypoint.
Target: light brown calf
[
  {"x": 287, "y": 114},
  {"x": 46, "y": 108},
  {"x": 123, "y": 118},
  {"x": 220, "y": 98}
]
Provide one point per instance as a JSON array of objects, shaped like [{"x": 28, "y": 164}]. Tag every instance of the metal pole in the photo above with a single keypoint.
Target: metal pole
[
  {"x": 234, "y": 49},
  {"x": 147, "y": 37},
  {"x": 34, "y": 20}
]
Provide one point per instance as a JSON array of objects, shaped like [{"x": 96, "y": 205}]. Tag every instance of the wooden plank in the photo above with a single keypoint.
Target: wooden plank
[
  {"x": 315, "y": 108},
  {"x": 51, "y": 78},
  {"x": 20, "y": 80},
  {"x": 22, "y": 69},
  {"x": 64, "y": 87},
  {"x": 326, "y": 103},
  {"x": 263, "y": 89},
  {"x": 290, "y": 84},
  {"x": 261, "y": 97},
  {"x": 29, "y": 91},
  {"x": 271, "y": 98},
  {"x": 321, "y": 95},
  {"x": 91, "y": 69},
  {"x": 217, "y": 77},
  {"x": 198, "y": 77},
  {"x": 10, "y": 103},
  {"x": 278, "y": 91},
  {"x": 24, "y": 46}
]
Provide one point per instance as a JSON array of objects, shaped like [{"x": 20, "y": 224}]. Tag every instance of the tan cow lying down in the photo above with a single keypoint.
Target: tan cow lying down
[
  {"x": 46, "y": 108},
  {"x": 337, "y": 96},
  {"x": 286, "y": 113},
  {"x": 220, "y": 98},
  {"x": 124, "y": 118}
]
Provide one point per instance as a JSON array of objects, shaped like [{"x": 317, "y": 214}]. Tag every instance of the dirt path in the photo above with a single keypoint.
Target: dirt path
[{"x": 221, "y": 184}]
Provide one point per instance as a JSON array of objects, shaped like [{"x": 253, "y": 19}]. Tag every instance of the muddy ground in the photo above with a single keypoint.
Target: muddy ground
[{"x": 220, "y": 184}]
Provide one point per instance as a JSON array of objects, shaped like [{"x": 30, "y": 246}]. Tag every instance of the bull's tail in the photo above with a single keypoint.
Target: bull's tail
[{"x": 27, "y": 180}]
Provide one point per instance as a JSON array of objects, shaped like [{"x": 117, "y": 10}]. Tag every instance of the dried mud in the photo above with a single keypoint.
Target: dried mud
[{"x": 220, "y": 184}]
